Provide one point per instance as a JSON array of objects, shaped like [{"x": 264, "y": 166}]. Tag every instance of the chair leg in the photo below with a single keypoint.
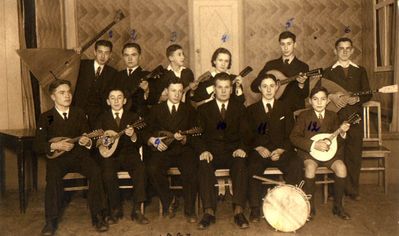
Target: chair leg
[
  {"x": 325, "y": 188},
  {"x": 142, "y": 208},
  {"x": 160, "y": 208},
  {"x": 384, "y": 161}
]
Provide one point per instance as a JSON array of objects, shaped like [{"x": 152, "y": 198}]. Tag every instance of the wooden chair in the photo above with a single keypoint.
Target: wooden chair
[{"x": 373, "y": 150}]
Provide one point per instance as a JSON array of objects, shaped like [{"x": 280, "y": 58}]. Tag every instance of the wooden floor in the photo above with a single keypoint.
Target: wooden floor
[{"x": 375, "y": 214}]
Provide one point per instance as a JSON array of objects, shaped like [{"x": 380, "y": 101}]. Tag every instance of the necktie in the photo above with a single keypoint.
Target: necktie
[
  {"x": 130, "y": 72},
  {"x": 65, "y": 115},
  {"x": 173, "y": 110},
  {"x": 286, "y": 61},
  {"x": 320, "y": 118},
  {"x": 269, "y": 108},
  {"x": 223, "y": 111},
  {"x": 98, "y": 72},
  {"x": 117, "y": 118}
]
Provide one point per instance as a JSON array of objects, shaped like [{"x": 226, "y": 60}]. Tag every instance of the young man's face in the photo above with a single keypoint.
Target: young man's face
[
  {"x": 116, "y": 100},
  {"x": 287, "y": 47},
  {"x": 268, "y": 88},
  {"x": 131, "y": 57},
  {"x": 319, "y": 101},
  {"x": 177, "y": 57},
  {"x": 175, "y": 92},
  {"x": 102, "y": 54},
  {"x": 222, "y": 62},
  {"x": 62, "y": 95},
  {"x": 223, "y": 89},
  {"x": 344, "y": 51}
]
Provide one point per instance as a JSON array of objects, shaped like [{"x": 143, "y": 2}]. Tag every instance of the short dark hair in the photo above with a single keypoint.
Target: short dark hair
[
  {"x": 103, "y": 42},
  {"x": 56, "y": 83},
  {"x": 318, "y": 89},
  {"x": 222, "y": 76},
  {"x": 269, "y": 76},
  {"x": 171, "y": 49},
  {"x": 286, "y": 35},
  {"x": 174, "y": 80},
  {"x": 132, "y": 45},
  {"x": 344, "y": 39},
  {"x": 219, "y": 51},
  {"x": 117, "y": 88}
]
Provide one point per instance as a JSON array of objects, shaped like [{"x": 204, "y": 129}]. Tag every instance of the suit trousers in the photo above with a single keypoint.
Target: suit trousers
[
  {"x": 184, "y": 158},
  {"x": 57, "y": 168},
  {"x": 135, "y": 167},
  {"x": 207, "y": 178}
]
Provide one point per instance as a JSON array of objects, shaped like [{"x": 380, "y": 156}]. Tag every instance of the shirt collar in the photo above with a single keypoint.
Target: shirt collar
[
  {"x": 120, "y": 112},
  {"x": 177, "y": 73},
  {"x": 96, "y": 65},
  {"x": 133, "y": 69},
  {"x": 170, "y": 104},
  {"x": 338, "y": 63},
  {"x": 61, "y": 112},
  {"x": 323, "y": 113},
  {"x": 271, "y": 102},
  {"x": 214, "y": 72},
  {"x": 219, "y": 103},
  {"x": 290, "y": 59}
]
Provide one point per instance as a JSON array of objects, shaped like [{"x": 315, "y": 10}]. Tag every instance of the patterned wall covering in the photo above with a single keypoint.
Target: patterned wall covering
[{"x": 150, "y": 23}]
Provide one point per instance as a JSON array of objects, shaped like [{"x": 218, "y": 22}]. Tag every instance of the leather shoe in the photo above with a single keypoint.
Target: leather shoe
[
  {"x": 312, "y": 214},
  {"x": 340, "y": 212},
  {"x": 206, "y": 221},
  {"x": 170, "y": 212},
  {"x": 241, "y": 221},
  {"x": 100, "y": 223},
  {"x": 114, "y": 217},
  {"x": 139, "y": 218},
  {"x": 254, "y": 217},
  {"x": 50, "y": 227}
]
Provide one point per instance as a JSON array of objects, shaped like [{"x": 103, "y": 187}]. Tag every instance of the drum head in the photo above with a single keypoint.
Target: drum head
[{"x": 286, "y": 208}]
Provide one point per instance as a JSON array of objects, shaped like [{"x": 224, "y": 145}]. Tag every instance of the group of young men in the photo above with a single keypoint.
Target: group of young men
[{"x": 245, "y": 140}]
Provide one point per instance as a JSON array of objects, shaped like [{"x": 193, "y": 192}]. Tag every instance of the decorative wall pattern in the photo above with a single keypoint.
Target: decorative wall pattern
[{"x": 152, "y": 24}]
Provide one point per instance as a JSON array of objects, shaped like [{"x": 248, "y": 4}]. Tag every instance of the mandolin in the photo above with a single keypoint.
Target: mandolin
[
  {"x": 332, "y": 140},
  {"x": 108, "y": 143},
  {"x": 333, "y": 87},
  {"x": 168, "y": 137},
  {"x": 57, "y": 153},
  {"x": 284, "y": 80}
]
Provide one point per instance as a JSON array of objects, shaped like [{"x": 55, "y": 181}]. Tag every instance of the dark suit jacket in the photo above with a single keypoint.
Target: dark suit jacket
[
  {"x": 160, "y": 119},
  {"x": 51, "y": 124},
  {"x": 125, "y": 146},
  {"x": 222, "y": 136},
  {"x": 271, "y": 130},
  {"x": 304, "y": 129},
  {"x": 91, "y": 94}
]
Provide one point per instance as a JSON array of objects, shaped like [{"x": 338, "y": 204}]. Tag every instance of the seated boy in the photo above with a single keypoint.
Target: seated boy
[
  {"x": 308, "y": 124},
  {"x": 126, "y": 157}
]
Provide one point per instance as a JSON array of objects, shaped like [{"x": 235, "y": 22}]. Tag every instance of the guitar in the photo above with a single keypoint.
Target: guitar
[
  {"x": 284, "y": 80},
  {"x": 333, "y": 87},
  {"x": 332, "y": 140},
  {"x": 57, "y": 153},
  {"x": 159, "y": 70},
  {"x": 168, "y": 137},
  {"x": 243, "y": 73},
  {"x": 204, "y": 77},
  {"x": 108, "y": 143}
]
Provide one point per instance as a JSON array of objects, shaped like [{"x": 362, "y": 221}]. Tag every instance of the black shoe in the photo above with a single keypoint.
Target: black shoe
[
  {"x": 254, "y": 217},
  {"x": 100, "y": 223},
  {"x": 312, "y": 214},
  {"x": 170, "y": 211},
  {"x": 206, "y": 221},
  {"x": 139, "y": 218},
  {"x": 50, "y": 227},
  {"x": 241, "y": 221},
  {"x": 114, "y": 216},
  {"x": 340, "y": 212}
]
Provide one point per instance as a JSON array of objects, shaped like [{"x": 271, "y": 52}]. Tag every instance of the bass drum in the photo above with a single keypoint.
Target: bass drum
[{"x": 286, "y": 208}]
